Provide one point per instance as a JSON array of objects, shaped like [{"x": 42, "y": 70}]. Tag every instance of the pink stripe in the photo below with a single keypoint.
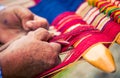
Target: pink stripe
[
  {"x": 37, "y": 1},
  {"x": 66, "y": 19},
  {"x": 93, "y": 38},
  {"x": 111, "y": 29},
  {"x": 71, "y": 23},
  {"x": 61, "y": 16}
]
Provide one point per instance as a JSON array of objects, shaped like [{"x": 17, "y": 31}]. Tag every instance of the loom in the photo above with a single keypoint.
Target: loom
[{"x": 85, "y": 28}]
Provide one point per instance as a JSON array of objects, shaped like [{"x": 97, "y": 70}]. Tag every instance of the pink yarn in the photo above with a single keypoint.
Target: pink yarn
[
  {"x": 87, "y": 35},
  {"x": 37, "y": 1}
]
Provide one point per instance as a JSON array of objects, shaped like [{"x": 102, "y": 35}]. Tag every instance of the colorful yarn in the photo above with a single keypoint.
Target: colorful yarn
[
  {"x": 100, "y": 21},
  {"x": 116, "y": 2},
  {"x": 111, "y": 29},
  {"x": 94, "y": 2},
  {"x": 108, "y": 7},
  {"x": 82, "y": 36},
  {"x": 37, "y": 1},
  {"x": 74, "y": 29}
]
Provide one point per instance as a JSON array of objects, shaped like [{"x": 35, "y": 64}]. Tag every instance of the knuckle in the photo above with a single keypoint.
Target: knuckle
[
  {"x": 44, "y": 31},
  {"x": 28, "y": 15},
  {"x": 44, "y": 20},
  {"x": 30, "y": 33},
  {"x": 23, "y": 12},
  {"x": 44, "y": 23}
]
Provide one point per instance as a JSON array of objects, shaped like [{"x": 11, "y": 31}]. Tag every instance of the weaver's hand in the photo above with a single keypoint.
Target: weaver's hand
[
  {"x": 30, "y": 55},
  {"x": 16, "y": 20}
]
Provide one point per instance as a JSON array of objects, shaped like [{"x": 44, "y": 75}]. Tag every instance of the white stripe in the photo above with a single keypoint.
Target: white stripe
[
  {"x": 72, "y": 27},
  {"x": 89, "y": 13},
  {"x": 81, "y": 7},
  {"x": 102, "y": 23},
  {"x": 97, "y": 19},
  {"x": 92, "y": 17}
]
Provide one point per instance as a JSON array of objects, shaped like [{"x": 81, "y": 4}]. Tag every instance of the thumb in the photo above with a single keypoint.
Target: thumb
[{"x": 56, "y": 46}]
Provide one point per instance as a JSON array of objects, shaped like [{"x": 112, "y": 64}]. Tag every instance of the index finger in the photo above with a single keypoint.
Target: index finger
[{"x": 40, "y": 34}]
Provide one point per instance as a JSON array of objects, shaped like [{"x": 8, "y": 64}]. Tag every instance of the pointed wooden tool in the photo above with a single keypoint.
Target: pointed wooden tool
[
  {"x": 118, "y": 38},
  {"x": 100, "y": 57}
]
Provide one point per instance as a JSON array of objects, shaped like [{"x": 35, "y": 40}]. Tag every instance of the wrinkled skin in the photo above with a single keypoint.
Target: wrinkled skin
[
  {"x": 29, "y": 55},
  {"x": 27, "y": 52},
  {"x": 16, "y": 21}
]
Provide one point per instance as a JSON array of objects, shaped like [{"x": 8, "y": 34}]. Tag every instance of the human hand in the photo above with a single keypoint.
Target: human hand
[
  {"x": 17, "y": 20},
  {"x": 30, "y": 55}
]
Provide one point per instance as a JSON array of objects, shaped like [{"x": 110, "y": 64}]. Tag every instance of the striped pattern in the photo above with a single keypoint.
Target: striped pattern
[
  {"x": 101, "y": 21},
  {"x": 79, "y": 34},
  {"x": 109, "y": 7},
  {"x": 92, "y": 16},
  {"x": 116, "y": 2}
]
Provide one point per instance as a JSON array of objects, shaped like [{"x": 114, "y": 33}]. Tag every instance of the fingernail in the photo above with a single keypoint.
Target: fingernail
[
  {"x": 29, "y": 24},
  {"x": 62, "y": 42}
]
